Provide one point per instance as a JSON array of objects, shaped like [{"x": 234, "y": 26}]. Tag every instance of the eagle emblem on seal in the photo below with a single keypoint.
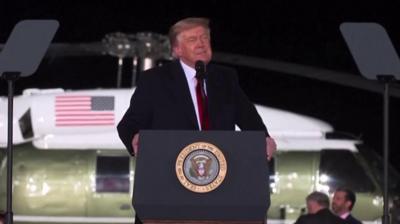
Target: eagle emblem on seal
[{"x": 201, "y": 167}]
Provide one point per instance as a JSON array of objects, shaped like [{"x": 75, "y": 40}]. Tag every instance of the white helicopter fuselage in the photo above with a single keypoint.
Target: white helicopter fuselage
[{"x": 87, "y": 119}]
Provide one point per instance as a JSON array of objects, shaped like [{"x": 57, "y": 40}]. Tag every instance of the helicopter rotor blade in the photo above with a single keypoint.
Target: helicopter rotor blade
[{"x": 285, "y": 68}]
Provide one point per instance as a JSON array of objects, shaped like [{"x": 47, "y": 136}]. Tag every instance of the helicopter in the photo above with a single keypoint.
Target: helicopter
[{"x": 72, "y": 168}]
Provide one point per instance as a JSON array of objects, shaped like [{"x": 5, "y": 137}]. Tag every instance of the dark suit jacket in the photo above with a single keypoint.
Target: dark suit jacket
[
  {"x": 351, "y": 220},
  {"x": 162, "y": 101},
  {"x": 323, "y": 216}
]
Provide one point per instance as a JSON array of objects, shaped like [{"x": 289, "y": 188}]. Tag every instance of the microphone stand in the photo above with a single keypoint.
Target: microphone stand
[
  {"x": 201, "y": 82},
  {"x": 200, "y": 68}
]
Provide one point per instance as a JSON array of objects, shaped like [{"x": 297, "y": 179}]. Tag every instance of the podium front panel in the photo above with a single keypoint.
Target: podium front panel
[{"x": 243, "y": 194}]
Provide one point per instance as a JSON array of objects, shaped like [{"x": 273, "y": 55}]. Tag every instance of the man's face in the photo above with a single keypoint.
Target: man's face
[
  {"x": 193, "y": 45},
  {"x": 339, "y": 203}
]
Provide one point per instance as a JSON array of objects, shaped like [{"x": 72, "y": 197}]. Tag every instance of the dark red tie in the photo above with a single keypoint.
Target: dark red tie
[{"x": 202, "y": 105}]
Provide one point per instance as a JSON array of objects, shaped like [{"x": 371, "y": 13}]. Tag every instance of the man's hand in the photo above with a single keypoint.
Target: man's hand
[
  {"x": 135, "y": 144},
  {"x": 270, "y": 148}
]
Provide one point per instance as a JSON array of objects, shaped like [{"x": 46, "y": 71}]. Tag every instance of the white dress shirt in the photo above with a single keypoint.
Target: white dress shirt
[
  {"x": 190, "y": 74},
  {"x": 344, "y": 215}
]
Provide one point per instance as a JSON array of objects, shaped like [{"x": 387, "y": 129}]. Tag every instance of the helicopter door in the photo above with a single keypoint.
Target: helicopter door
[
  {"x": 344, "y": 168},
  {"x": 111, "y": 187}
]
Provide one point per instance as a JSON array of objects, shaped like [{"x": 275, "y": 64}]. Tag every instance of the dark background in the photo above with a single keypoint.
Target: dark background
[{"x": 297, "y": 32}]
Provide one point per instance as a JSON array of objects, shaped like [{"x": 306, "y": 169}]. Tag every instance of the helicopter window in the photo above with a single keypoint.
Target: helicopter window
[
  {"x": 340, "y": 168},
  {"x": 375, "y": 162},
  {"x": 25, "y": 125},
  {"x": 112, "y": 174}
]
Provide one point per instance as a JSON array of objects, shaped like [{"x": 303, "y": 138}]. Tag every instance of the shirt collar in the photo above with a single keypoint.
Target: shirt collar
[
  {"x": 190, "y": 72},
  {"x": 344, "y": 215}
]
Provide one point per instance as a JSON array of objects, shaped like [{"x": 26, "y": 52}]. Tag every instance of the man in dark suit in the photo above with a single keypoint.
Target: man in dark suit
[
  {"x": 318, "y": 211},
  {"x": 342, "y": 204},
  {"x": 172, "y": 97}
]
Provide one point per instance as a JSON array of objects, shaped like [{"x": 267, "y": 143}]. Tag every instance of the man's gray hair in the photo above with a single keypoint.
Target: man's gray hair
[
  {"x": 319, "y": 197},
  {"x": 186, "y": 24}
]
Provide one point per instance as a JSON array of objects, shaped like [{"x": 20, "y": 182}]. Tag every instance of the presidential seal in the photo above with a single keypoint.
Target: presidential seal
[{"x": 201, "y": 167}]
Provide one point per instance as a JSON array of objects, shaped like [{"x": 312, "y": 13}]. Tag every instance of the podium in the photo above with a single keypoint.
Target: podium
[{"x": 201, "y": 177}]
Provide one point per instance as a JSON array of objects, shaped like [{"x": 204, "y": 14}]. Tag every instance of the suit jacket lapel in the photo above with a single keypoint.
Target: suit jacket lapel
[{"x": 180, "y": 89}]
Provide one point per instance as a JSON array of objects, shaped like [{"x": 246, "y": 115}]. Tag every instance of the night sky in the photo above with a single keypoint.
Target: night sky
[{"x": 290, "y": 31}]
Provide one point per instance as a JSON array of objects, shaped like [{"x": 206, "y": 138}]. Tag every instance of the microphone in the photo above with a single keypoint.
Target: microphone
[
  {"x": 200, "y": 69},
  {"x": 201, "y": 76}
]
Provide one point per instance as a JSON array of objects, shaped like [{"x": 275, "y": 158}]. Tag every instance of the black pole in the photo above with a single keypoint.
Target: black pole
[
  {"x": 10, "y": 77},
  {"x": 385, "y": 152},
  {"x": 386, "y": 79}
]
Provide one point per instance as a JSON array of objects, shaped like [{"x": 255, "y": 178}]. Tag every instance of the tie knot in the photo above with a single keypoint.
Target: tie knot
[
  {"x": 198, "y": 77},
  {"x": 199, "y": 81}
]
